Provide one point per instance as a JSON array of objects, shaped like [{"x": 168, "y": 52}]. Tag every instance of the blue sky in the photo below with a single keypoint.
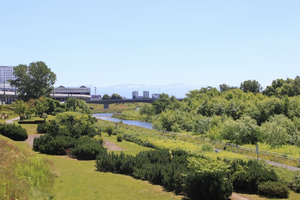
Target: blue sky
[{"x": 104, "y": 43}]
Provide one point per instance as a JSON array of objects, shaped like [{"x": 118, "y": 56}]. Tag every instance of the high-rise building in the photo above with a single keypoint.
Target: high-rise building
[
  {"x": 6, "y": 73},
  {"x": 135, "y": 94},
  {"x": 146, "y": 94}
]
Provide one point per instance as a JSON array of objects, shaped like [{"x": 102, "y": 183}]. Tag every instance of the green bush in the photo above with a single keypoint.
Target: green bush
[
  {"x": 53, "y": 145},
  {"x": 119, "y": 138},
  {"x": 273, "y": 189},
  {"x": 42, "y": 128},
  {"x": 58, "y": 110},
  {"x": 295, "y": 183},
  {"x": 13, "y": 132},
  {"x": 168, "y": 168},
  {"x": 87, "y": 149},
  {"x": 208, "y": 185},
  {"x": 247, "y": 175},
  {"x": 109, "y": 130}
]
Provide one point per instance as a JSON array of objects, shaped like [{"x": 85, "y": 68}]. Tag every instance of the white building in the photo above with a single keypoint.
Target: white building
[
  {"x": 155, "y": 96},
  {"x": 6, "y": 73},
  {"x": 146, "y": 94}
]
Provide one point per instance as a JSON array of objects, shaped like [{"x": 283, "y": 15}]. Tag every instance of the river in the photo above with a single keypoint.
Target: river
[{"x": 107, "y": 116}]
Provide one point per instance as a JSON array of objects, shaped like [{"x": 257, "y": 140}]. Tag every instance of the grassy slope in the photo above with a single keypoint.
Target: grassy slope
[{"x": 79, "y": 180}]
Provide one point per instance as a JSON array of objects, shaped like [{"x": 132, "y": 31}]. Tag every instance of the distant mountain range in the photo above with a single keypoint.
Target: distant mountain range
[{"x": 125, "y": 90}]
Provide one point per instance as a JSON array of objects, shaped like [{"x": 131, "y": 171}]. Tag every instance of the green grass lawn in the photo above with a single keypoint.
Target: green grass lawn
[{"x": 79, "y": 180}]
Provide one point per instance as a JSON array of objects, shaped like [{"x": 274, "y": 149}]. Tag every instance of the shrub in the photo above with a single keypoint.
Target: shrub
[
  {"x": 273, "y": 189},
  {"x": 295, "y": 183},
  {"x": 53, "y": 145},
  {"x": 246, "y": 176},
  {"x": 208, "y": 185},
  {"x": 42, "y": 128},
  {"x": 87, "y": 149},
  {"x": 119, "y": 138},
  {"x": 109, "y": 130},
  {"x": 13, "y": 132}
]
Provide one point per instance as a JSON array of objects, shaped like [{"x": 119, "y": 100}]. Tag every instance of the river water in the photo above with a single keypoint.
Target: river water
[{"x": 107, "y": 116}]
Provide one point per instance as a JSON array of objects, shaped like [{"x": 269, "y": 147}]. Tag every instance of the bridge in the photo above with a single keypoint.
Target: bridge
[{"x": 112, "y": 101}]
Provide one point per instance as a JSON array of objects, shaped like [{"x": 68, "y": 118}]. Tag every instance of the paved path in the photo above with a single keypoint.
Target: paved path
[{"x": 10, "y": 121}]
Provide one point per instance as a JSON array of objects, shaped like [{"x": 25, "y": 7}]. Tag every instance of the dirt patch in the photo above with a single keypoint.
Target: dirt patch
[
  {"x": 111, "y": 146},
  {"x": 236, "y": 196}
]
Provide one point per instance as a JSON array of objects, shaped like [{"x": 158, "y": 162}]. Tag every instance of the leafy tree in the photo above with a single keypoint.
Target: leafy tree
[
  {"x": 251, "y": 86},
  {"x": 41, "y": 105},
  {"x": 20, "y": 108},
  {"x": 161, "y": 103},
  {"x": 115, "y": 96},
  {"x": 33, "y": 81},
  {"x": 106, "y": 97},
  {"x": 77, "y": 105},
  {"x": 223, "y": 87},
  {"x": 274, "y": 134}
]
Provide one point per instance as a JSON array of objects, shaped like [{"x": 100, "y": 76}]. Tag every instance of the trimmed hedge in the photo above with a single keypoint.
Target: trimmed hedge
[
  {"x": 13, "y": 132},
  {"x": 32, "y": 122}
]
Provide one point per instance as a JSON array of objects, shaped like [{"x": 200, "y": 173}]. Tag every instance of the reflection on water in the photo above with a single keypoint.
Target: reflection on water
[{"x": 107, "y": 116}]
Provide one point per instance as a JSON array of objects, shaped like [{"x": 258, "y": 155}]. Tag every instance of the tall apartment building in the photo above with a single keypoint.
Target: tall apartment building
[
  {"x": 146, "y": 94},
  {"x": 6, "y": 73},
  {"x": 135, "y": 94}
]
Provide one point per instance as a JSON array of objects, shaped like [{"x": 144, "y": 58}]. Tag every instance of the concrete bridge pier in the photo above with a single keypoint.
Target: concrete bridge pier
[{"x": 106, "y": 106}]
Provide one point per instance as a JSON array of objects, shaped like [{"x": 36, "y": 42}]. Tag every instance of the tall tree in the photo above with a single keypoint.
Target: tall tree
[
  {"x": 33, "y": 81},
  {"x": 251, "y": 86}
]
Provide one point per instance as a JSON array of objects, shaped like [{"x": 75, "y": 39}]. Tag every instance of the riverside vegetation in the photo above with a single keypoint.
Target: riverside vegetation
[{"x": 71, "y": 130}]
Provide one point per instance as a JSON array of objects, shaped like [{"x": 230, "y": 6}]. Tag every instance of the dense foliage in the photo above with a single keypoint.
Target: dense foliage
[
  {"x": 170, "y": 169},
  {"x": 66, "y": 131},
  {"x": 42, "y": 128},
  {"x": 13, "y": 132},
  {"x": 33, "y": 81},
  {"x": 234, "y": 115}
]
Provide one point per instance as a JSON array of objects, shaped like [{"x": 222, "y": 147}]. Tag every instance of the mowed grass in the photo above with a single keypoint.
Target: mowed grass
[{"x": 79, "y": 180}]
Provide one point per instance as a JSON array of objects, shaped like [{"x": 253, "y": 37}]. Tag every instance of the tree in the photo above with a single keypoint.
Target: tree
[
  {"x": 116, "y": 96},
  {"x": 33, "y": 81},
  {"x": 20, "y": 108},
  {"x": 223, "y": 87},
  {"x": 106, "y": 97},
  {"x": 251, "y": 86}
]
